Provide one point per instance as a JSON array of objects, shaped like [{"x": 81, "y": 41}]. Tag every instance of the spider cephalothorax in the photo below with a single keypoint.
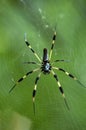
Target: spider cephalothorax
[{"x": 45, "y": 67}]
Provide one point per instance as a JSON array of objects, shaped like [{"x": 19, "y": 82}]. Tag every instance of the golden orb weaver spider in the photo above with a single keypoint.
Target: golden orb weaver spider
[{"x": 45, "y": 68}]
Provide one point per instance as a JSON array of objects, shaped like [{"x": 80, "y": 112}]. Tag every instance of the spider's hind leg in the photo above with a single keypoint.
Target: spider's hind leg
[
  {"x": 60, "y": 88},
  {"x": 28, "y": 44},
  {"x": 53, "y": 42}
]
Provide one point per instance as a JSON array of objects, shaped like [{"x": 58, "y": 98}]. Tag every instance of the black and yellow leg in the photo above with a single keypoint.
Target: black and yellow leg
[
  {"x": 61, "y": 61},
  {"x": 34, "y": 91},
  {"x": 60, "y": 88},
  {"x": 28, "y": 44},
  {"x": 32, "y": 63},
  {"x": 21, "y": 79},
  {"x": 53, "y": 42},
  {"x": 68, "y": 74}
]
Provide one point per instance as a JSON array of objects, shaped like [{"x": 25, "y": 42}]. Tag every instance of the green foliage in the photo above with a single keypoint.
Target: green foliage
[{"x": 38, "y": 19}]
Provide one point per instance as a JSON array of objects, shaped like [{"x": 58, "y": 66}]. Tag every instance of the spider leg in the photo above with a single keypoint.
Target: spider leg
[
  {"x": 70, "y": 75},
  {"x": 31, "y": 63},
  {"x": 28, "y": 44},
  {"x": 60, "y": 61},
  {"x": 60, "y": 88},
  {"x": 34, "y": 90},
  {"x": 53, "y": 42},
  {"x": 21, "y": 79}
]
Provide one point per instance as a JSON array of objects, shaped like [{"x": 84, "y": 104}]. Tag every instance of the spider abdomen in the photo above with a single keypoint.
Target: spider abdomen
[{"x": 45, "y": 55}]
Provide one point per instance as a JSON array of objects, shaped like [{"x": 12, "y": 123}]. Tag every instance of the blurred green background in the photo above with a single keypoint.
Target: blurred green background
[{"x": 38, "y": 19}]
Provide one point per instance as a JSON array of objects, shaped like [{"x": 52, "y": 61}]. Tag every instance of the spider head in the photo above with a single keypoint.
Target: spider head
[{"x": 46, "y": 67}]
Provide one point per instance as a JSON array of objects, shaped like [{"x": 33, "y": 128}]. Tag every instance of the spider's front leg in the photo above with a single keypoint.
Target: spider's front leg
[
  {"x": 34, "y": 91},
  {"x": 68, "y": 74},
  {"x": 21, "y": 79},
  {"x": 60, "y": 88}
]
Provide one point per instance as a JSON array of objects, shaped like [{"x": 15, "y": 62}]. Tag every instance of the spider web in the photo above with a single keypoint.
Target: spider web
[{"x": 38, "y": 19}]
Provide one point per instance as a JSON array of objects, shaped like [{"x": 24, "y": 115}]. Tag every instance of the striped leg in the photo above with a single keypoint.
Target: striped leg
[
  {"x": 68, "y": 74},
  {"x": 34, "y": 91},
  {"x": 53, "y": 42},
  {"x": 28, "y": 44},
  {"x": 21, "y": 79},
  {"x": 32, "y": 63},
  {"x": 60, "y": 88},
  {"x": 60, "y": 61}
]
